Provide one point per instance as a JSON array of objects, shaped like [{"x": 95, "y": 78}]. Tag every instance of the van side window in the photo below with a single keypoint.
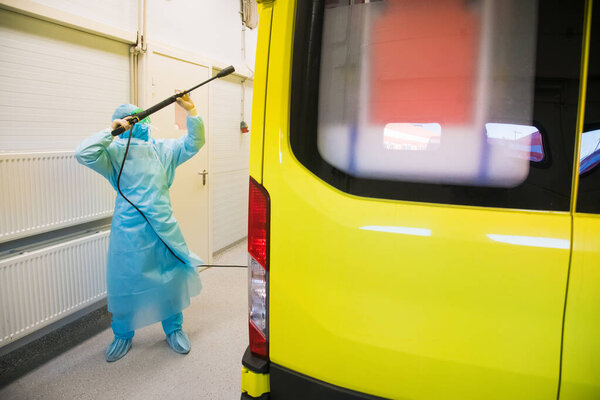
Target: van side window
[
  {"x": 390, "y": 100},
  {"x": 588, "y": 198}
]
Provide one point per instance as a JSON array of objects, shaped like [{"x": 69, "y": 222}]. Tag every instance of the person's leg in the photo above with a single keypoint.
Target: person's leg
[
  {"x": 121, "y": 329},
  {"x": 121, "y": 343},
  {"x": 173, "y": 323},
  {"x": 176, "y": 337}
]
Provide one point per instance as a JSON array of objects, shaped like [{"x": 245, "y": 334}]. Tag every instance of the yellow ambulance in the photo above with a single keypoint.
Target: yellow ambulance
[{"x": 424, "y": 217}]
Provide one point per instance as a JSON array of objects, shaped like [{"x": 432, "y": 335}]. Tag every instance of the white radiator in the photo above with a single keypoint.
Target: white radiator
[
  {"x": 43, "y": 286},
  {"x": 40, "y": 192}
]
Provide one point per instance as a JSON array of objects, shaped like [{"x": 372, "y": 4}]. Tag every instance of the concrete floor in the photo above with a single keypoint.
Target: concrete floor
[{"x": 216, "y": 323}]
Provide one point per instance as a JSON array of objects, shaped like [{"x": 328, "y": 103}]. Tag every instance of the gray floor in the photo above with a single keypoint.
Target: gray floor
[{"x": 216, "y": 323}]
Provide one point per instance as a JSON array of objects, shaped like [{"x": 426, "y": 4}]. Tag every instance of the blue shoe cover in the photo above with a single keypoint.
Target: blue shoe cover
[
  {"x": 179, "y": 342},
  {"x": 117, "y": 349}
]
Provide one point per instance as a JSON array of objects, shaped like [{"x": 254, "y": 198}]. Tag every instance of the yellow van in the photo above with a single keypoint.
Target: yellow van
[{"x": 424, "y": 201}]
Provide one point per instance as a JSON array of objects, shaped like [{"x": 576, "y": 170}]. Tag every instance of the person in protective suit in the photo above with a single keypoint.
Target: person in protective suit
[{"x": 147, "y": 281}]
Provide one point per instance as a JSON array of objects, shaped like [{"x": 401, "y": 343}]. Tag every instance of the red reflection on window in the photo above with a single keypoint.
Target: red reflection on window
[
  {"x": 537, "y": 149},
  {"x": 424, "y": 59}
]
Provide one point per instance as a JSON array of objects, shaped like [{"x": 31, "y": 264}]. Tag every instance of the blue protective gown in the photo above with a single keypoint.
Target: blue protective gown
[{"x": 145, "y": 282}]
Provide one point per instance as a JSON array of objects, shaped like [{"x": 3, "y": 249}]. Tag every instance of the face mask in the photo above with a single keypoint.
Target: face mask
[{"x": 141, "y": 131}]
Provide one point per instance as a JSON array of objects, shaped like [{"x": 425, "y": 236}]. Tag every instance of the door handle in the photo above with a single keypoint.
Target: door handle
[{"x": 203, "y": 173}]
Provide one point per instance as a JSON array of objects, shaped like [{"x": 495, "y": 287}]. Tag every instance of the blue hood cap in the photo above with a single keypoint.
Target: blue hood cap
[
  {"x": 124, "y": 110},
  {"x": 141, "y": 130}
]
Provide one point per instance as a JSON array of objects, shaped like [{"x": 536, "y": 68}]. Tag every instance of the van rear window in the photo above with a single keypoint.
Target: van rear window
[{"x": 447, "y": 101}]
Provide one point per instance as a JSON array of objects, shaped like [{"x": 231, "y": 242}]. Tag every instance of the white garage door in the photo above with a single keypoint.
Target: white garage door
[
  {"x": 57, "y": 84},
  {"x": 231, "y": 150}
]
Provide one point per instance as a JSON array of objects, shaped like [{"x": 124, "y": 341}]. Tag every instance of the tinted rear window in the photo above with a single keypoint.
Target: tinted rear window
[{"x": 461, "y": 102}]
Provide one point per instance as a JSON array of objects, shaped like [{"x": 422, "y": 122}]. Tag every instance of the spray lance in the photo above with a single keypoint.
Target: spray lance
[{"x": 137, "y": 117}]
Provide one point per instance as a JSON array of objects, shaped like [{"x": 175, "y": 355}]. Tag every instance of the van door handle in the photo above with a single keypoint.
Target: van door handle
[{"x": 203, "y": 173}]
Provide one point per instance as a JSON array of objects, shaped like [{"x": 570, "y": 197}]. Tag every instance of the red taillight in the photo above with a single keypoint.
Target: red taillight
[
  {"x": 258, "y": 224},
  {"x": 258, "y": 343},
  {"x": 258, "y": 267}
]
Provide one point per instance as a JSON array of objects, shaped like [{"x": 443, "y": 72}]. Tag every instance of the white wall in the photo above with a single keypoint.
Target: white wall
[
  {"x": 120, "y": 13},
  {"x": 211, "y": 27}
]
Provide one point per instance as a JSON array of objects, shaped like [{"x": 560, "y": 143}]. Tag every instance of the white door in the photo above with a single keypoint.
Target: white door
[
  {"x": 230, "y": 103},
  {"x": 189, "y": 193}
]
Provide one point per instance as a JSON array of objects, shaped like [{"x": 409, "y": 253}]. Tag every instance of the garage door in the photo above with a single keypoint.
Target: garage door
[
  {"x": 231, "y": 150},
  {"x": 57, "y": 84}
]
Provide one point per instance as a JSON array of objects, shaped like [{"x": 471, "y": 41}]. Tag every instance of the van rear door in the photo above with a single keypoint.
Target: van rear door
[{"x": 407, "y": 286}]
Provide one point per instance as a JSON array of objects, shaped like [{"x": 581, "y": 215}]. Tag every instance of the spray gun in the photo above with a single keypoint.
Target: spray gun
[{"x": 137, "y": 117}]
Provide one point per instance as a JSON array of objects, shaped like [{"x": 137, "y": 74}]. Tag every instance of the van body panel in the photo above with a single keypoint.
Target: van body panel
[
  {"x": 580, "y": 377},
  {"x": 449, "y": 293},
  {"x": 433, "y": 301},
  {"x": 581, "y": 351},
  {"x": 259, "y": 91}
]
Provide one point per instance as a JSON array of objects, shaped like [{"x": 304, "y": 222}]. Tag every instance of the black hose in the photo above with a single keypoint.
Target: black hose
[{"x": 142, "y": 214}]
